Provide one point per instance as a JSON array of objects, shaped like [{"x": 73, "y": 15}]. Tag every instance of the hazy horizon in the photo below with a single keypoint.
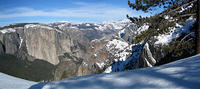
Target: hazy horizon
[{"x": 93, "y": 11}]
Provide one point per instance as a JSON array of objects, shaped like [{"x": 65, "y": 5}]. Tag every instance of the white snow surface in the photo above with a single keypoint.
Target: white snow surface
[
  {"x": 10, "y": 82},
  {"x": 101, "y": 65},
  {"x": 21, "y": 40},
  {"x": 175, "y": 32},
  {"x": 107, "y": 25},
  {"x": 112, "y": 24},
  {"x": 168, "y": 37},
  {"x": 168, "y": 17},
  {"x": 8, "y": 30},
  {"x": 118, "y": 44},
  {"x": 119, "y": 49},
  {"x": 41, "y": 26},
  {"x": 182, "y": 74},
  {"x": 142, "y": 28},
  {"x": 108, "y": 70},
  {"x": 186, "y": 8}
]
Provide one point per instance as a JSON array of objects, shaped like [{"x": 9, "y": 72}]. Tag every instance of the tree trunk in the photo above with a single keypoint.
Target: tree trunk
[{"x": 198, "y": 28}]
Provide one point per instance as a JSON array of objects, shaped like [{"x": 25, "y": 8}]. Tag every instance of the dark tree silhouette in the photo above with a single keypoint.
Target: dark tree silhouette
[{"x": 198, "y": 29}]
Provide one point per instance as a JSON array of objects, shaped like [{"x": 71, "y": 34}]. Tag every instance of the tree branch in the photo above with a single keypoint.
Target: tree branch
[
  {"x": 185, "y": 15},
  {"x": 170, "y": 11}
]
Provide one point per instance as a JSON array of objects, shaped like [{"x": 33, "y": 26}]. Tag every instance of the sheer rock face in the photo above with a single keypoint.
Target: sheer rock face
[
  {"x": 9, "y": 43},
  {"x": 47, "y": 43},
  {"x": 41, "y": 43}
]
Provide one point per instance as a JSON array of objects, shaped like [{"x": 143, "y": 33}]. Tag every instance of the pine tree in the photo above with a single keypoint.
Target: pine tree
[
  {"x": 171, "y": 6},
  {"x": 198, "y": 29}
]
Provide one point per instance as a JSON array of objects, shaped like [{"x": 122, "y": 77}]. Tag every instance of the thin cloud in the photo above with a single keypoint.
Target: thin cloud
[
  {"x": 80, "y": 3},
  {"x": 86, "y": 10}
]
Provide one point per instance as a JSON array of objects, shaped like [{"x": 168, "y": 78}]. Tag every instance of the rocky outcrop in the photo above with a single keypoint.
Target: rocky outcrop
[
  {"x": 146, "y": 59},
  {"x": 141, "y": 57},
  {"x": 10, "y": 43}
]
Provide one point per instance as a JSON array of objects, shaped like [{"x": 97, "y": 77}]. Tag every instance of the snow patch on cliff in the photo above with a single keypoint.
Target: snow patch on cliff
[
  {"x": 21, "y": 40},
  {"x": 101, "y": 65},
  {"x": 8, "y": 30},
  {"x": 120, "y": 49},
  {"x": 41, "y": 26}
]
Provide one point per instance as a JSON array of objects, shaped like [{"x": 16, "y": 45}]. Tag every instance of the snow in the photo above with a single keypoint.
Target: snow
[
  {"x": 61, "y": 26},
  {"x": 142, "y": 28},
  {"x": 101, "y": 65},
  {"x": 182, "y": 74},
  {"x": 21, "y": 40},
  {"x": 189, "y": 22},
  {"x": 75, "y": 27},
  {"x": 117, "y": 44},
  {"x": 119, "y": 49},
  {"x": 175, "y": 32},
  {"x": 186, "y": 8},
  {"x": 10, "y": 82},
  {"x": 87, "y": 24},
  {"x": 95, "y": 55},
  {"x": 85, "y": 64},
  {"x": 108, "y": 70},
  {"x": 106, "y": 25},
  {"x": 130, "y": 61},
  {"x": 8, "y": 30},
  {"x": 41, "y": 26},
  {"x": 121, "y": 33},
  {"x": 166, "y": 38},
  {"x": 30, "y": 26},
  {"x": 168, "y": 17}
]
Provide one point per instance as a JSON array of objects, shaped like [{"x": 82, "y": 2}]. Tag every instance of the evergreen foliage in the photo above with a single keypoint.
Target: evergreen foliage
[
  {"x": 38, "y": 70},
  {"x": 180, "y": 47}
]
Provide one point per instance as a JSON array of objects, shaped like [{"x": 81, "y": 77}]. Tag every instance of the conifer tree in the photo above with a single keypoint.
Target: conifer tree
[
  {"x": 198, "y": 29},
  {"x": 171, "y": 6}
]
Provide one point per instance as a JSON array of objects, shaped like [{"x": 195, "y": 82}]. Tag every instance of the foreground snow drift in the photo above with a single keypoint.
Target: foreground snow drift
[
  {"x": 182, "y": 74},
  {"x": 9, "y": 82}
]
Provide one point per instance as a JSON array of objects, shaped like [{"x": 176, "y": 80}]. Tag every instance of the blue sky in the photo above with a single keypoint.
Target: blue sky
[{"x": 44, "y": 11}]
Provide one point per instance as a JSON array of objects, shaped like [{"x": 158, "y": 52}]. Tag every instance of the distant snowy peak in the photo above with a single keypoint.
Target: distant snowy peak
[
  {"x": 117, "y": 24},
  {"x": 108, "y": 25}
]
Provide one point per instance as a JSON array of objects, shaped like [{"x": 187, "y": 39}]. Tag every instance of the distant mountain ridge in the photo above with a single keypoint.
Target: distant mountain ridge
[{"x": 78, "y": 49}]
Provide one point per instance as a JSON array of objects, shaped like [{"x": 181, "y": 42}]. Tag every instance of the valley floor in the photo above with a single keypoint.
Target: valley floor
[{"x": 182, "y": 74}]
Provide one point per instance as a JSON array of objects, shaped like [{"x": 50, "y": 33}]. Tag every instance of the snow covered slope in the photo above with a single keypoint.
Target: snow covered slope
[
  {"x": 9, "y": 82},
  {"x": 182, "y": 74}
]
